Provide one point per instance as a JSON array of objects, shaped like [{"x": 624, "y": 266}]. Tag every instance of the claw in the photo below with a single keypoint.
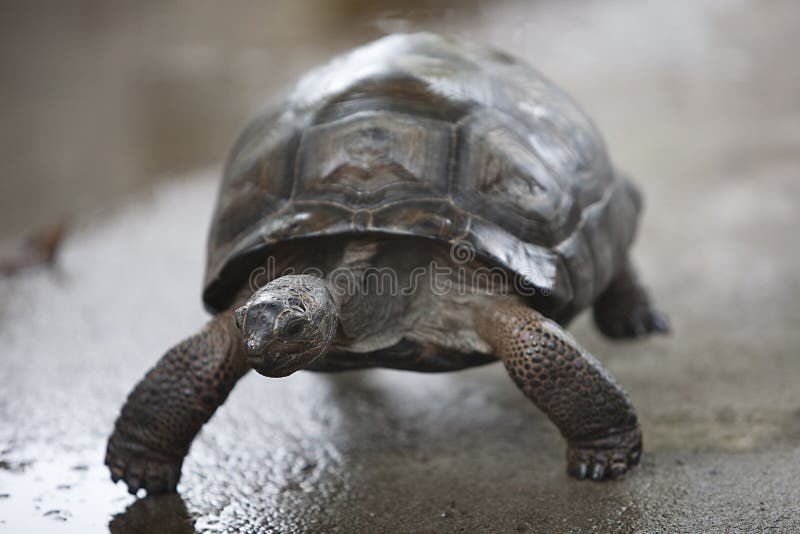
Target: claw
[
  {"x": 133, "y": 486},
  {"x": 116, "y": 473},
  {"x": 598, "y": 471},
  {"x": 607, "y": 457},
  {"x": 617, "y": 471},
  {"x": 580, "y": 472}
]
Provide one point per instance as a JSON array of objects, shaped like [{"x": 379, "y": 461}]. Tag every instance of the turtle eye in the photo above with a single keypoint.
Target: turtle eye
[{"x": 292, "y": 327}]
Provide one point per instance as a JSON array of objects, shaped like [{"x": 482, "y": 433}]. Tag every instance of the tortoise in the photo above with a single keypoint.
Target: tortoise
[{"x": 413, "y": 155}]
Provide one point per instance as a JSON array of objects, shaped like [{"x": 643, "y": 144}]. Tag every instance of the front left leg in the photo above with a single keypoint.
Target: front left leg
[
  {"x": 171, "y": 403},
  {"x": 584, "y": 401}
]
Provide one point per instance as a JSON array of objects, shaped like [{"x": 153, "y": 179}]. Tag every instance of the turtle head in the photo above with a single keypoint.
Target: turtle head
[{"x": 287, "y": 324}]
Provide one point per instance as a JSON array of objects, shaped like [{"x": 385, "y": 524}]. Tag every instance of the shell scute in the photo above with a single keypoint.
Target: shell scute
[{"x": 371, "y": 158}]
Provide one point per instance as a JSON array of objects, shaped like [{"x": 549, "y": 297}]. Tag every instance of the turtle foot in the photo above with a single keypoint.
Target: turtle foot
[
  {"x": 609, "y": 457},
  {"x": 637, "y": 321},
  {"x": 140, "y": 468}
]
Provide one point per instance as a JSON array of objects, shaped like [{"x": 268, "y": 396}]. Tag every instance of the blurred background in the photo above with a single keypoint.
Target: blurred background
[{"x": 116, "y": 117}]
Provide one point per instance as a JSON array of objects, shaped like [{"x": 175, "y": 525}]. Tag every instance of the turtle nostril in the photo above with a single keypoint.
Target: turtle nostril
[{"x": 252, "y": 346}]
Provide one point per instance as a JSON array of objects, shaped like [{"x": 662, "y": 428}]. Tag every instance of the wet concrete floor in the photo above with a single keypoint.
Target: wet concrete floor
[{"x": 699, "y": 100}]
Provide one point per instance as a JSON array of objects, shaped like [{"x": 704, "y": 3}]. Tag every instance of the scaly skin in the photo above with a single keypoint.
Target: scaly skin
[
  {"x": 171, "y": 403},
  {"x": 624, "y": 309},
  {"x": 583, "y": 400}
]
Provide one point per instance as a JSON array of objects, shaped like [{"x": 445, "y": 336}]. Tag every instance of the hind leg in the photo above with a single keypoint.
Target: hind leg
[
  {"x": 624, "y": 308},
  {"x": 583, "y": 400}
]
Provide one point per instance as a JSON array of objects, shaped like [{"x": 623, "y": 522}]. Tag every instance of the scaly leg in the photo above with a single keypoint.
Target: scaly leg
[
  {"x": 624, "y": 308},
  {"x": 169, "y": 405},
  {"x": 583, "y": 400}
]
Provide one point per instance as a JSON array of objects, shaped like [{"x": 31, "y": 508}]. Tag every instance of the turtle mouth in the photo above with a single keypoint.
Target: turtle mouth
[
  {"x": 270, "y": 367},
  {"x": 268, "y": 357}
]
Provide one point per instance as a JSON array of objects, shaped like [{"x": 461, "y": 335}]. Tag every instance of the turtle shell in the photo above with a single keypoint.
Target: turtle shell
[{"x": 421, "y": 135}]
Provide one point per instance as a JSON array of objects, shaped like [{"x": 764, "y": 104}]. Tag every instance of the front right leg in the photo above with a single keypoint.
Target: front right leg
[
  {"x": 171, "y": 403},
  {"x": 583, "y": 400}
]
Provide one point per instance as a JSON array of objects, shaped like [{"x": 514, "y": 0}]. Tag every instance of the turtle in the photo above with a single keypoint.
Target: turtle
[{"x": 422, "y": 203}]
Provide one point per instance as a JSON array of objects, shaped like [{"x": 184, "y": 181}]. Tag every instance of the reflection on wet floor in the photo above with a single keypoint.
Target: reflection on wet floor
[{"x": 167, "y": 511}]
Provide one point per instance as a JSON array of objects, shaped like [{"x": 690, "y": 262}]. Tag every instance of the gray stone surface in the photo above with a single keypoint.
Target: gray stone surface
[{"x": 699, "y": 100}]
